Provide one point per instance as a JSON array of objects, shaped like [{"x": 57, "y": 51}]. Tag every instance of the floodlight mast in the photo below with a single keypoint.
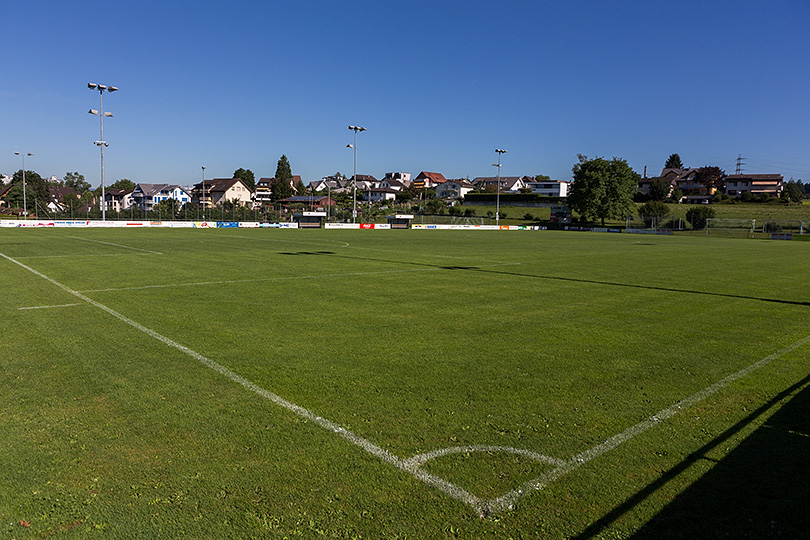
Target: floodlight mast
[
  {"x": 354, "y": 178},
  {"x": 101, "y": 143},
  {"x": 203, "y": 192},
  {"x": 498, "y": 181},
  {"x": 25, "y": 201}
]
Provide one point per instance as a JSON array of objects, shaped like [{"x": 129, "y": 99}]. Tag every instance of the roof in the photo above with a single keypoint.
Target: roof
[
  {"x": 304, "y": 199},
  {"x": 117, "y": 192},
  {"x": 755, "y": 177},
  {"x": 220, "y": 184},
  {"x": 150, "y": 189},
  {"x": 432, "y": 176}
]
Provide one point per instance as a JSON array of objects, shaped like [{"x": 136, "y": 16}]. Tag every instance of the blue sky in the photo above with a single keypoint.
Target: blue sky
[{"x": 439, "y": 85}]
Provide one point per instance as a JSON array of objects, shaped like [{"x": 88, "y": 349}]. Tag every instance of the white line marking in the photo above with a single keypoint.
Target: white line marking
[
  {"x": 117, "y": 245},
  {"x": 420, "y": 459},
  {"x": 507, "y": 501},
  {"x": 71, "y": 256},
  {"x": 48, "y": 307},
  {"x": 450, "y": 489},
  {"x": 411, "y": 466}
]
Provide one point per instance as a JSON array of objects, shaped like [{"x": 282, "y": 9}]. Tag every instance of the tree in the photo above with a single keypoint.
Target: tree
[
  {"x": 660, "y": 189},
  {"x": 36, "y": 190},
  {"x": 713, "y": 178},
  {"x": 124, "y": 183},
  {"x": 246, "y": 175},
  {"x": 541, "y": 178},
  {"x": 792, "y": 191},
  {"x": 673, "y": 162},
  {"x": 76, "y": 181},
  {"x": 300, "y": 188},
  {"x": 698, "y": 215},
  {"x": 281, "y": 183},
  {"x": 603, "y": 189},
  {"x": 653, "y": 212}
]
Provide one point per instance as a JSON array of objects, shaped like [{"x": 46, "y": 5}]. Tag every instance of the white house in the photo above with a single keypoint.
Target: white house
[
  {"x": 380, "y": 194},
  {"x": 550, "y": 188},
  {"x": 454, "y": 189}
]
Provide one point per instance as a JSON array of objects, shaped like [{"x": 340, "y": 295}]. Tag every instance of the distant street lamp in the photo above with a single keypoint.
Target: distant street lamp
[
  {"x": 25, "y": 202},
  {"x": 354, "y": 187},
  {"x": 203, "y": 192},
  {"x": 101, "y": 143},
  {"x": 498, "y": 181}
]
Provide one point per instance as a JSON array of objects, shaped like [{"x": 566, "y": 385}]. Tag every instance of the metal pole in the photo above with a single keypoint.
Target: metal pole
[
  {"x": 101, "y": 120},
  {"x": 354, "y": 188},
  {"x": 498, "y": 180},
  {"x": 203, "y": 193}
]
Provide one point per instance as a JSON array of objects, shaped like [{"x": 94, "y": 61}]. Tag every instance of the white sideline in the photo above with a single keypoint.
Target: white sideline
[
  {"x": 117, "y": 245},
  {"x": 412, "y": 465}
]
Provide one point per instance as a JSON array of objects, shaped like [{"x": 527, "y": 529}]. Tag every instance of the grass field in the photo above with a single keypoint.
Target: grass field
[{"x": 260, "y": 383}]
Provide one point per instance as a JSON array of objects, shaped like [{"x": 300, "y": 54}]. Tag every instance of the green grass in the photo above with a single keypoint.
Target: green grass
[{"x": 415, "y": 340}]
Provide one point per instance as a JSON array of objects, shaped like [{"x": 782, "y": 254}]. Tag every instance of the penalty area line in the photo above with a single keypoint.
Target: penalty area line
[{"x": 49, "y": 307}]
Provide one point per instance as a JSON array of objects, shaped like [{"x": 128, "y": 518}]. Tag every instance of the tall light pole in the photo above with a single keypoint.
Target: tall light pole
[
  {"x": 498, "y": 180},
  {"x": 25, "y": 202},
  {"x": 354, "y": 189},
  {"x": 101, "y": 143},
  {"x": 203, "y": 192}
]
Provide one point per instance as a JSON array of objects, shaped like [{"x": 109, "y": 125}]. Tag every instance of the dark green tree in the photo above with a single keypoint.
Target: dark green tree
[
  {"x": 712, "y": 177},
  {"x": 603, "y": 189},
  {"x": 653, "y": 212},
  {"x": 300, "y": 188},
  {"x": 792, "y": 191},
  {"x": 124, "y": 183},
  {"x": 541, "y": 178},
  {"x": 674, "y": 162},
  {"x": 76, "y": 181},
  {"x": 698, "y": 215},
  {"x": 247, "y": 177},
  {"x": 36, "y": 190},
  {"x": 281, "y": 186},
  {"x": 660, "y": 189}
]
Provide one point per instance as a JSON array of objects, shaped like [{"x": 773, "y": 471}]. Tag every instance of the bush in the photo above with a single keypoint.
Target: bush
[
  {"x": 528, "y": 217},
  {"x": 698, "y": 215},
  {"x": 772, "y": 227},
  {"x": 653, "y": 212}
]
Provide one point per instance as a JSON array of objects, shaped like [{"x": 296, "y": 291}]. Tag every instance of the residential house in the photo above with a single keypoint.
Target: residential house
[
  {"x": 756, "y": 184},
  {"x": 401, "y": 177},
  {"x": 57, "y": 197},
  {"x": 118, "y": 199},
  {"x": 220, "y": 190},
  {"x": 391, "y": 183},
  {"x": 550, "y": 188},
  {"x": 509, "y": 184},
  {"x": 146, "y": 196},
  {"x": 454, "y": 189},
  {"x": 380, "y": 194},
  {"x": 428, "y": 180}
]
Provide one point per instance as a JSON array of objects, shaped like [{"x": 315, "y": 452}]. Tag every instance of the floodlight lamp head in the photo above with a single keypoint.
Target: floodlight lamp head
[
  {"x": 16, "y": 153},
  {"x": 102, "y": 87},
  {"x": 93, "y": 111},
  {"x": 108, "y": 114},
  {"x": 112, "y": 89},
  {"x": 500, "y": 150},
  {"x": 92, "y": 86},
  {"x": 349, "y": 146}
]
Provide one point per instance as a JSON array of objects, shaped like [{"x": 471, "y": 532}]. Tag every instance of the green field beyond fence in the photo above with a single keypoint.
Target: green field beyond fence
[{"x": 265, "y": 383}]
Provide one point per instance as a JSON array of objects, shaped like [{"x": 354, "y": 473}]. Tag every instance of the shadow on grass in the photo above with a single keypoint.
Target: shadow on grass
[
  {"x": 761, "y": 489},
  {"x": 558, "y": 278}
]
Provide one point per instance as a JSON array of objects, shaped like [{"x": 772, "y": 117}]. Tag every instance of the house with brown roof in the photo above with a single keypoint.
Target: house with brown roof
[{"x": 428, "y": 180}]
